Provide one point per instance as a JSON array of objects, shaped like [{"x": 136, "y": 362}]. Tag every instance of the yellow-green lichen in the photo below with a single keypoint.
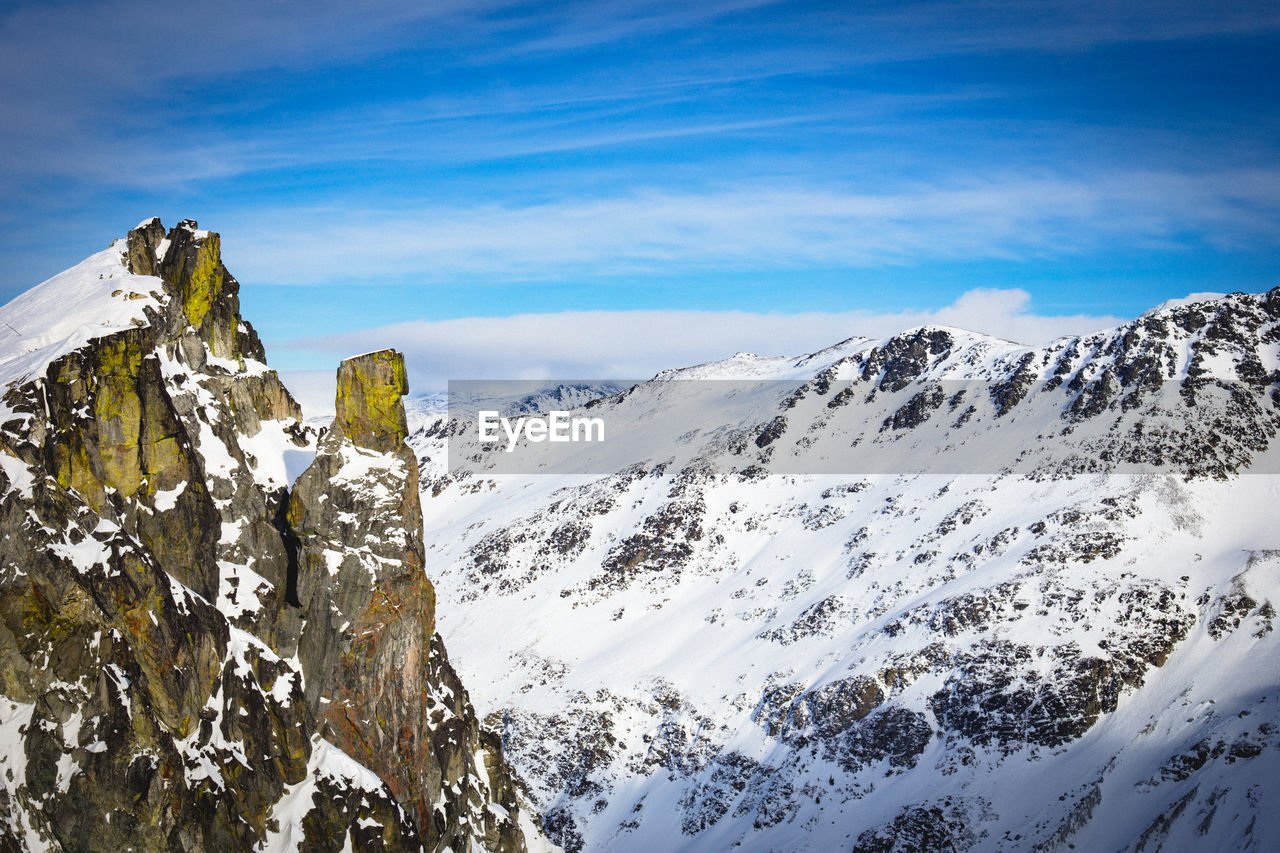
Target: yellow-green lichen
[
  {"x": 118, "y": 412},
  {"x": 369, "y": 409},
  {"x": 73, "y": 469},
  {"x": 202, "y": 281},
  {"x": 163, "y": 461}
]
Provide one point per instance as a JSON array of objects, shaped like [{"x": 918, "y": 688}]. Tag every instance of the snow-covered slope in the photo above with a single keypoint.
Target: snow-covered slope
[
  {"x": 94, "y": 298},
  {"x": 748, "y": 636}
]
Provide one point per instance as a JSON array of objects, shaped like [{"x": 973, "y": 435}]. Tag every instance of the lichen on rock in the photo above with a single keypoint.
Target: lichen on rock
[
  {"x": 377, "y": 676},
  {"x": 369, "y": 410},
  {"x": 152, "y": 643}
]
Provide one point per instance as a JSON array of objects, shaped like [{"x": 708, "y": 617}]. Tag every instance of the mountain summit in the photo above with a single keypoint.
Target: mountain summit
[{"x": 198, "y": 653}]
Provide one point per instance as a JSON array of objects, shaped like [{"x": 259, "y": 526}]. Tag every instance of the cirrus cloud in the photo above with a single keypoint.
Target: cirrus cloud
[{"x": 761, "y": 227}]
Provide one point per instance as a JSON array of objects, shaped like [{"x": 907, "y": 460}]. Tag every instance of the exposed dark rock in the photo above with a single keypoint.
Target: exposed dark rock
[
  {"x": 143, "y": 243},
  {"x": 915, "y": 830},
  {"x": 905, "y": 357},
  {"x": 664, "y": 544},
  {"x": 772, "y": 432},
  {"x": 916, "y": 410},
  {"x": 147, "y": 566},
  {"x": 895, "y": 734},
  {"x": 377, "y": 677},
  {"x": 1010, "y": 392}
]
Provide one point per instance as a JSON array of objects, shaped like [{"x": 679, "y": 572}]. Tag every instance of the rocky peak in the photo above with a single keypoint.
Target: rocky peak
[
  {"x": 904, "y": 357},
  {"x": 162, "y": 595},
  {"x": 204, "y": 305},
  {"x": 370, "y": 411},
  {"x": 193, "y": 264},
  {"x": 377, "y": 675},
  {"x": 143, "y": 253}
]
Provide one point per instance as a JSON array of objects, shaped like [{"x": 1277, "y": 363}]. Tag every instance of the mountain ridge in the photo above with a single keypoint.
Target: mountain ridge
[
  {"x": 219, "y": 633},
  {"x": 194, "y": 654},
  {"x": 778, "y": 657}
]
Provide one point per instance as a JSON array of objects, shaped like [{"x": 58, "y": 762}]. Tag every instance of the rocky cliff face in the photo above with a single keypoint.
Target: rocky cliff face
[
  {"x": 193, "y": 658},
  {"x": 378, "y": 679}
]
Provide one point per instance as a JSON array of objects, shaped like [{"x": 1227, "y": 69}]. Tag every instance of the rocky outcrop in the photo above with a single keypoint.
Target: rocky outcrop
[
  {"x": 160, "y": 614},
  {"x": 140, "y": 718},
  {"x": 143, "y": 252},
  {"x": 205, "y": 296},
  {"x": 370, "y": 412},
  {"x": 376, "y": 672},
  {"x": 110, "y": 432}
]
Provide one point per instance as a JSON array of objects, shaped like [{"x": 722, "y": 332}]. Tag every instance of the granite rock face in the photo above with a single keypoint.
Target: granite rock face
[
  {"x": 377, "y": 676},
  {"x": 192, "y": 658},
  {"x": 370, "y": 412}
]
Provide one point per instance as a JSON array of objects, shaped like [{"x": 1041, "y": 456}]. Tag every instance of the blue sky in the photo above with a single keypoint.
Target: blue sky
[{"x": 443, "y": 163}]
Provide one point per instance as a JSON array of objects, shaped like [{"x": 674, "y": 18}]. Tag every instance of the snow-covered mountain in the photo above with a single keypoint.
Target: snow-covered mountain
[
  {"x": 215, "y": 629},
  {"x": 934, "y": 592}
]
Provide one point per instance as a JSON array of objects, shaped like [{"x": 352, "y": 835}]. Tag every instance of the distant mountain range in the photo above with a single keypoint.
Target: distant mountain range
[{"x": 933, "y": 592}]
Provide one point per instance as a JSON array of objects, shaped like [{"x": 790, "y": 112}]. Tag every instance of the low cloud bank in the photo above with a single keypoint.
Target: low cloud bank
[{"x": 627, "y": 344}]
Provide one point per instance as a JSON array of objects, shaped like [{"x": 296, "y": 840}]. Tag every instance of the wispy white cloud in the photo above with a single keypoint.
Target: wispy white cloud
[
  {"x": 593, "y": 24},
  {"x": 494, "y": 139},
  {"x": 760, "y": 227},
  {"x": 94, "y": 90},
  {"x": 954, "y": 26},
  {"x": 638, "y": 344}
]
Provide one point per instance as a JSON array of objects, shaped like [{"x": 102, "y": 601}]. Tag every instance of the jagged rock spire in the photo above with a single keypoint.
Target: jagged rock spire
[
  {"x": 377, "y": 675},
  {"x": 143, "y": 243}
]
